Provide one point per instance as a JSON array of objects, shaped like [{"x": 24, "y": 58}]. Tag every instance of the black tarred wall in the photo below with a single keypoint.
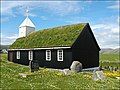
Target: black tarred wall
[
  {"x": 85, "y": 49},
  {"x": 40, "y": 55},
  {"x": 23, "y": 57}
]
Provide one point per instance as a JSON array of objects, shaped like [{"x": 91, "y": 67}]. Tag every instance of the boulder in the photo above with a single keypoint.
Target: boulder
[
  {"x": 76, "y": 67},
  {"x": 66, "y": 71},
  {"x": 98, "y": 75}
]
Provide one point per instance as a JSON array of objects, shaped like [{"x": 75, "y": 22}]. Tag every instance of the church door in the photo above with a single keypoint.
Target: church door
[{"x": 11, "y": 56}]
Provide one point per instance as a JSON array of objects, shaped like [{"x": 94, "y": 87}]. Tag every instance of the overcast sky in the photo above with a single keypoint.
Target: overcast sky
[{"x": 103, "y": 17}]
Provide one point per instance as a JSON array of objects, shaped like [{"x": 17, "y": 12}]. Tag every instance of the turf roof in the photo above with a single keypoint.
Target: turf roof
[{"x": 58, "y": 36}]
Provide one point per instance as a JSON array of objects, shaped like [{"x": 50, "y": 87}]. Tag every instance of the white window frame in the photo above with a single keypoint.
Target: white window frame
[
  {"x": 18, "y": 55},
  {"x": 58, "y": 55},
  {"x": 30, "y": 55},
  {"x": 48, "y": 56}
]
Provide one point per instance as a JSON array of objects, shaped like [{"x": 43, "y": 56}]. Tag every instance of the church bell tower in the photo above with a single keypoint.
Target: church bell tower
[{"x": 26, "y": 27}]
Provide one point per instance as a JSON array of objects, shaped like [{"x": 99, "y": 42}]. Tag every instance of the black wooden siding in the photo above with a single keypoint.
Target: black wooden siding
[
  {"x": 23, "y": 57},
  {"x": 86, "y": 50},
  {"x": 40, "y": 55},
  {"x": 87, "y": 58}
]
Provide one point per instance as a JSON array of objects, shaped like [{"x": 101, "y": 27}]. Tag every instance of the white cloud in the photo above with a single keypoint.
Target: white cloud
[
  {"x": 63, "y": 7},
  {"x": 8, "y": 39},
  {"x": 106, "y": 37},
  {"x": 12, "y": 8},
  {"x": 43, "y": 18},
  {"x": 115, "y": 6},
  {"x": 73, "y": 20},
  {"x": 57, "y": 7},
  {"x": 118, "y": 19},
  {"x": 105, "y": 26},
  {"x": 98, "y": 26},
  {"x": 115, "y": 30}
]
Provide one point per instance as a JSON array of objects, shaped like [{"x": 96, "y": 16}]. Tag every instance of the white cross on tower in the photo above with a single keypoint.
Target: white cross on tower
[{"x": 27, "y": 12}]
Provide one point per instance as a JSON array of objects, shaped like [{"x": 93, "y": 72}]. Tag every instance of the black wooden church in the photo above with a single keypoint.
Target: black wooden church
[{"x": 56, "y": 47}]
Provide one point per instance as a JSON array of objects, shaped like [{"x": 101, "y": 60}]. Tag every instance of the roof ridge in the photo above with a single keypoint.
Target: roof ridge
[{"x": 61, "y": 26}]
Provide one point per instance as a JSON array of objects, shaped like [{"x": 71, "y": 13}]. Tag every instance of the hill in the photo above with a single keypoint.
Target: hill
[
  {"x": 110, "y": 51},
  {"x": 115, "y": 51},
  {"x": 4, "y": 46}
]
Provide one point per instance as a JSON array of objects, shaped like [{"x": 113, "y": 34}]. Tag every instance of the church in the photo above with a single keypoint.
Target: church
[{"x": 56, "y": 47}]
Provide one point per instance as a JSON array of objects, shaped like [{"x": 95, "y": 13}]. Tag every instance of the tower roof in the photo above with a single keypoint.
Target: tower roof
[{"x": 27, "y": 22}]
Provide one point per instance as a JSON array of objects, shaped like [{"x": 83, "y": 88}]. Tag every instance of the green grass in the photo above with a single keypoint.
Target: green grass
[
  {"x": 3, "y": 56},
  {"x": 109, "y": 57},
  {"x": 10, "y": 79},
  {"x": 58, "y": 36},
  {"x": 110, "y": 60}
]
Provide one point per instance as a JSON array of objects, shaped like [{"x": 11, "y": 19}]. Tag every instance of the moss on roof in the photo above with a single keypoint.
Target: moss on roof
[{"x": 58, "y": 36}]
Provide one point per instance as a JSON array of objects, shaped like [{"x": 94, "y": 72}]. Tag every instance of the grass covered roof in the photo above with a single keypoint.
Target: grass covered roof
[{"x": 58, "y": 36}]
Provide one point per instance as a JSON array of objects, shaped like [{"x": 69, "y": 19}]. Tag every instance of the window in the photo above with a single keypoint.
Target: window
[
  {"x": 60, "y": 55},
  {"x": 30, "y": 55},
  {"x": 18, "y": 54},
  {"x": 48, "y": 55}
]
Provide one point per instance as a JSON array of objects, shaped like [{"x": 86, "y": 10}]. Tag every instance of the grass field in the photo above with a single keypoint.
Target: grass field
[
  {"x": 110, "y": 60},
  {"x": 3, "y": 57},
  {"x": 109, "y": 57},
  {"x": 46, "y": 79}
]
